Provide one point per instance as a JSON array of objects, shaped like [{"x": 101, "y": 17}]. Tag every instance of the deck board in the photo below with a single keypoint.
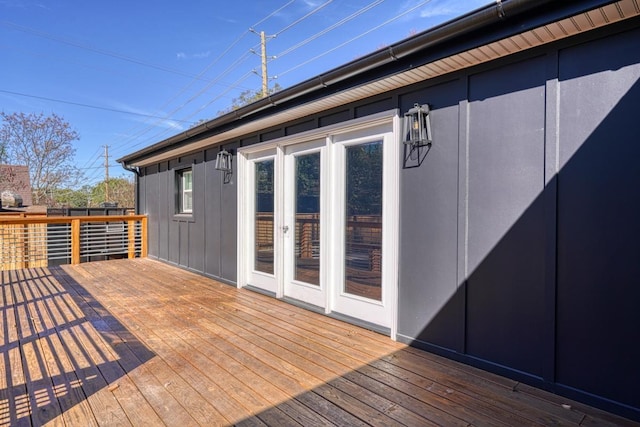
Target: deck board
[{"x": 139, "y": 342}]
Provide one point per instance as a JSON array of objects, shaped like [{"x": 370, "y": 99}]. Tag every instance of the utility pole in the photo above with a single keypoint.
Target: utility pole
[
  {"x": 106, "y": 173},
  {"x": 264, "y": 59},
  {"x": 263, "y": 54}
]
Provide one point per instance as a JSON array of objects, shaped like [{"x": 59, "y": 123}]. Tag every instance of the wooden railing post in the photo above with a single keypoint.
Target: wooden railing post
[
  {"x": 75, "y": 241},
  {"x": 143, "y": 237},
  {"x": 131, "y": 239}
]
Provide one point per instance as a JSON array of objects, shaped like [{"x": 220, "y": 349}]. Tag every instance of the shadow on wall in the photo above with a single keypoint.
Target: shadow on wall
[
  {"x": 554, "y": 302},
  {"x": 60, "y": 346}
]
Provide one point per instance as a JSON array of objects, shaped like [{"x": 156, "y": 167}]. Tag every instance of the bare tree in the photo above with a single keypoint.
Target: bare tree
[
  {"x": 44, "y": 145},
  {"x": 3, "y": 151},
  {"x": 9, "y": 179}
]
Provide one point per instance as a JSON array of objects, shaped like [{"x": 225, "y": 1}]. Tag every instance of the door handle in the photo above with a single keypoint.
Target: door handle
[{"x": 285, "y": 228}]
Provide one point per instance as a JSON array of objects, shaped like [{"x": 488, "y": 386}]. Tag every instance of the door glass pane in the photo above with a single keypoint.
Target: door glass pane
[
  {"x": 264, "y": 216},
  {"x": 307, "y": 226},
  {"x": 363, "y": 222}
]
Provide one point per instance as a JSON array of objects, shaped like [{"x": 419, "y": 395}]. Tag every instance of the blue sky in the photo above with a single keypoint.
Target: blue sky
[{"x": 128, "y": 74}]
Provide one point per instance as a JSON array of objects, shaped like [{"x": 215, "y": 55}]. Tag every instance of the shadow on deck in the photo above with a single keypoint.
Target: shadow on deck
[
  {"x": 59, "y": 348},
  {"x": 132, "y": 342}
]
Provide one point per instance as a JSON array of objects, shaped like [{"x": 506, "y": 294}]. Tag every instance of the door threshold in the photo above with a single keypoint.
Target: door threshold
[
  {"x": 339, "y": 316},
  {"x": 259, "y": 290},
  {"x": 302, "y": 304}
]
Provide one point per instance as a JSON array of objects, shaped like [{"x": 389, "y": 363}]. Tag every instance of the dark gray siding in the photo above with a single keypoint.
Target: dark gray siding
[
  {"x": 505, "y": 264},
  {"x": 162, "y": 207},
  {"x": 212, "y": 217},
  {"x": 429, "y": 224},
  {"x": 599, "y": 218},
  {"x": 547, "y": 200},
  {"x": 228, "y": 226},
  {"x": 518, "y": 234},
  {"x": 472, "y": 220},
  {"x": 192, "y": 241}
]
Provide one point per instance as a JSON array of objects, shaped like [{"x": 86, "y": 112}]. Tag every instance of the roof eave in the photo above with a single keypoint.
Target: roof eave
[{"x": 466, "y": 24}]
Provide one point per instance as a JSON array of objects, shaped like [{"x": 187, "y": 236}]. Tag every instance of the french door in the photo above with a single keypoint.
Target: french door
[
  {"x": 262, "y": 224},
  {"x": 305, "y": 221},
  {"x": 318, "y": 222},
  {"x": 358, "y": 221}
]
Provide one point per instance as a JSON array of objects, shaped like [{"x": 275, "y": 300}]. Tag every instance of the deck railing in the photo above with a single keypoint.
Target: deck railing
[
  {"x": 363, "y": 234},
  {"x": 39, "y": 241}
]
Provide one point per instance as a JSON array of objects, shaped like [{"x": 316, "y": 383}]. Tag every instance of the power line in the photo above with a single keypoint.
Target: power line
[
  {"x": 79, "y": 104},
  {"x": 336, "y": 25},
  {"x": 76, "y": 44},
  {"x": 263, "y": 46},
  {"x": 94, "y": 176},
  {"x": 212, "y": 82},
  {"x": 191, "y": 99},
  {"x": 201, "y": 76},
  {"x": 96, "y": 153},
  {"x": 240, "y": 80},
  {"x": 68, "y": 61},
  {"x": 273, "y": 13},
  {"x": 91, "y": 167},
  {"x": 328, "y": 29},
  {"x": 349, "y": 18},
  {"x": 220, "y": 95},
  {"x": 355, "y": 38},
  {"x": 125, "y": 58},
  {"x": 94, "y": 49},
  {"x": 236, "y": 63},
  {"x": 101, "y": 167},
  {"x": 299, "y": 20}
]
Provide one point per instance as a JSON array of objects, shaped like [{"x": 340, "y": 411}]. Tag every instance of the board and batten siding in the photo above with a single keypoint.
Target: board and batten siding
[
  {"x": 205, "y": 241},
  {"x": 537, "y": 279},
  {"x": 519, "y": 233}
]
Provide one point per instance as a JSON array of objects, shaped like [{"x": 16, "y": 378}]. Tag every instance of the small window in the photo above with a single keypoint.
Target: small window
[{"x": 185, "y": 191}]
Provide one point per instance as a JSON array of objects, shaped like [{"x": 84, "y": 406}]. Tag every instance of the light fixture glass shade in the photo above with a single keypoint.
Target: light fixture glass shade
[
  {"x": 416, "y": 129},
  {"x": 223, "y": 161}
]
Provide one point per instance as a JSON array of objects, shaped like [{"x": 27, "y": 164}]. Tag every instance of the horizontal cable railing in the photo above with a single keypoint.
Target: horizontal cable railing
[{"x": 40, "y": 241}]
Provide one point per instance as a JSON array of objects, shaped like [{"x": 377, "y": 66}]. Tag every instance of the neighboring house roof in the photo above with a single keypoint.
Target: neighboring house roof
[
  {"x": 486, "y": 34},
  {"x": 15, "y": 178}
]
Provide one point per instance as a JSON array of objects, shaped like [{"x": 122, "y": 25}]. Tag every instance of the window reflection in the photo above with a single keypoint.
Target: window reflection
[
  {"x": 307, "y": 226},
  {"x": 264, "y": 216},
  {"x": 363, "y": 222}
]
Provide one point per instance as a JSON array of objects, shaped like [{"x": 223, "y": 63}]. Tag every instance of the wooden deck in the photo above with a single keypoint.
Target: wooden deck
[{"x": 137, "y": 342}]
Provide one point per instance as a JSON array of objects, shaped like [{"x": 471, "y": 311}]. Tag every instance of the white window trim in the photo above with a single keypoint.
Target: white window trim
[
  {"x": 325, "y": 132},
  {"x": 182, "y": 191},
  {"x": 390, "y": 187}
]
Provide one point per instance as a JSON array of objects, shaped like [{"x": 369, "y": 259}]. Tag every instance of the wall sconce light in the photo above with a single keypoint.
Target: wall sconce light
[
  {"x": 417, "y": 125},
  {"x": 224, "y": 163},
  {"x": 416, "y": 135}
]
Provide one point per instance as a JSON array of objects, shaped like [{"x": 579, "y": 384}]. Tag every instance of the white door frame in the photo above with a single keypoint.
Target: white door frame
[
  {"x": 313, "y": 294},
  {"x": 351, "y": 305},
  {"x": 385, "y": 125},
  {"x": 265, "y": 281}
]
